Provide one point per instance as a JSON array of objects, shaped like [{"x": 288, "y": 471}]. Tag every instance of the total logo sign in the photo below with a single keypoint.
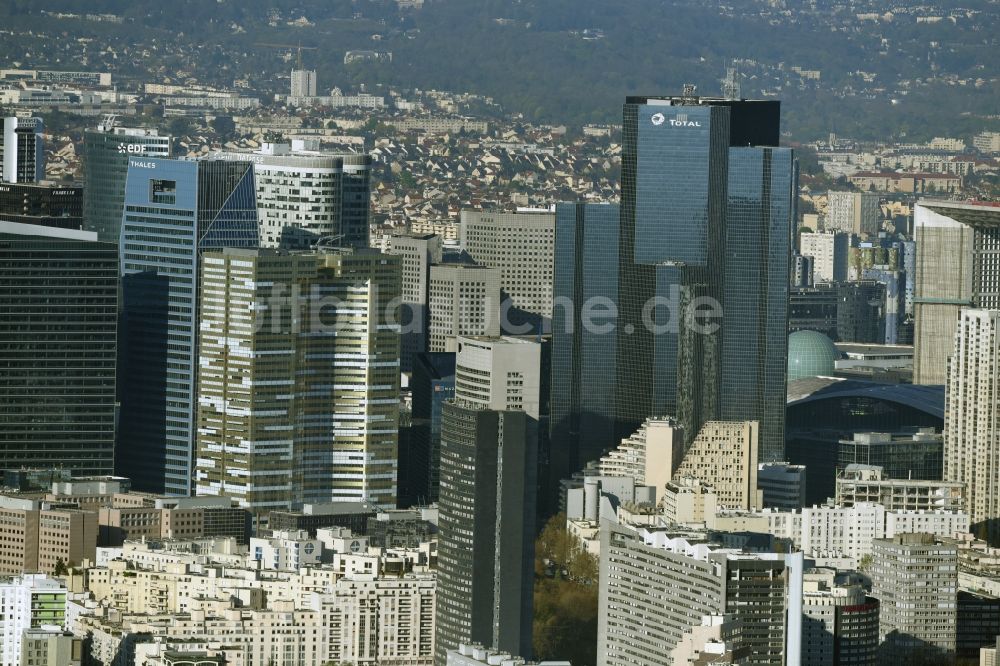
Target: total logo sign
[{"x": 658, "y": 119}]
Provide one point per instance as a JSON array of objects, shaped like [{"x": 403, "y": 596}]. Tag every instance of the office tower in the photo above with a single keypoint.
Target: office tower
[
  {"x": 106, "y": 154},
  {"x": 417, "y": 253},
  {"x": 32, "y": 601},
  {"x": 861, "y": 312},
  {"x": 802, "y": 271},
  {"x": 971, "y": 440},
  {"x": 181, "y": 208},
  {"x": 463, "y": 299},
  {"x": 978, "y": 623},
  {"x": 855, "y": 213},
  {"x": 433, "y": 383},
  {"x": 59, "y": 298},
  {"x": 915, "y": 579},
  {"x": 45, "y": 205},
  {"x": 22, "y": 153},
  {"x": 954, "y": 269},
  {"x": 314, "y": 373},
  {"x": 782, "y": 486},
  {"x": 305, "y": 195},
  {"x": 489, "y": 437},
  {"x": 654, "y": 588},
  {"x": 706, "y": 211},
  {"x": 40, "y": 537},
  {"x": 583, "y": 409},
  {"x": 829, "y": 252},
  {"x": 303, "y": 83},
  {"x": 840, "y": 624},
  {"x": 894, "y": 284},
  {"x": 735, "y": 442},
  {"x": 522, "y": 246}
]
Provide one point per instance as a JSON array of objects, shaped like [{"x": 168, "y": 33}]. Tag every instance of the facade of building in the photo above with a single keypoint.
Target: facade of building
[
  {"x": 489, "y": 439},
  {"x": 840, "y": 626},
  {"x": 50, "y": 647},
  {"x": 829, "y": 253},
  {"x": 912, "y": 455},
  {"x": 855, "y": 213},
  {"x": 303, "y": 83},
  {"x": 32, "y": 601},
  {"x": 654, "y": 588},
  {"x": 649, "y": 456},
  {"x": 522, "y": 246},
  {"x": 432, "y": 384},
  {"x": 59, "y": 295},
  {"x": 737, "y": 193},
  {"x": 305, "y": 196},
  {"x": 46, "y": 205},
  {"x": 782, "y": 486},
  {"x": 736, "y": 443},
  {"x": 952, "y": 272},
  {"x": 22, "y": 151},
  {"x": 174, "y": 211},
  {"x": 417, "y": 253},
  {"x": 583, "y": 412},
  {"x": 37, "y": 536},
  {"x": 915, "y": 579},
  {"x": 106, "y": 154},
  {"x": 321, "y": 367},
  {"x": 464, "y": 300},
  {"x": 971, "y": 440},
  {"x": 868, "y": 483}
]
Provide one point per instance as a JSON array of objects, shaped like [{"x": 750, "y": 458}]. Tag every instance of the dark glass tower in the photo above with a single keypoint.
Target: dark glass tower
[
  {"x": 686, "y": 244},
  {"x": 58, "y": 321},
  {"x": 174, "y": 210},
  {"x": 583, "y": 357}
]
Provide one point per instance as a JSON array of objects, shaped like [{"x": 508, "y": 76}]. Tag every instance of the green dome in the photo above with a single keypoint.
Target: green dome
[{"x": 810, "y": 354}]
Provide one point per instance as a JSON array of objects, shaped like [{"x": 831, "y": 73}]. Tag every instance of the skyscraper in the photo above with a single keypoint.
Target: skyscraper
[
  {"x": 954, "y": 269},
  {"x": 855, "y": 213},
  {"x": 174, "y": 210},
  {"x": 521, "y": 245},
  {"x": 972, "y": 411},
  {"x": 304, "y": 194},
  {"x": 106, "y": 154},
  {"x": 417, "y": 252},
  {"x": 22, "y": 153},
  {"x": 829, "y": 253},
  {"x": 489, "y": 437},
  {"x": 704, "y": 245},
  {"x": 463, "y": 299},
  {"x": 59, "y": 299},
  {"x": 303, "y": 83},
  {"x": 433, "y": 383},
  {"x": 298, "y": 402},
  {"x": 583, "y": 355}
]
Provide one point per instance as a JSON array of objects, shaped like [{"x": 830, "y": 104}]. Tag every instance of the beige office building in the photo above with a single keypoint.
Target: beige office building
[
  {"x": 724, "y": 455},
  {"x": 464, "y": 300},
  {"x": 955, "y": 269},
  {"x": 522, "y": 246},
  {"x": 298, "y": 377},
  {"x": 35, "y": 536}
]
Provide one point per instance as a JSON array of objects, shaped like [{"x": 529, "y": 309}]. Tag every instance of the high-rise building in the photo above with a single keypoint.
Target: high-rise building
[
  {"x": 861, "y": 312},
  {"x": 735, "y": 482},
  {"x": 782, "y": 486},
  {"x": 911, "y": 455},
  {"x": 855, "y": 213},
  {"x": 32, "y": 601},
  {"x": 802, "y": 271},
  {"x": 59, "y": 299},
  {"x": 649, "y": 456},
  {"x": 417, "y": 253},
  {"x": 953, "y": 270},
  {"x": 298, "y": 402},
  {"x": 464, "y": 299},
  {"x": 829, "y": 252},
  {"x": 22, "y": 153},
  {"x": 432, "y": 384},
  {"x": 706, "y": 218},
  {"x": 870, "y": 483},
  {"x": 489, "y": 440},
  {"x": 522, "y": 246},
  {"x": 654, "y": 587},
  {"x": 972, "y": 408},
  {"x": 840, "y": 626},
  {"x": 305, "y": 195},
  {"x": 174, "y": 211},
  {"x": 106, "y": 154},
  {"x": 583, "y": 413},
  {"x": 45, "y": 205},
  {"x": 303, "y": 83},
  {"x": 39, "y": 537},
  {"x": 915, "y": 579}
]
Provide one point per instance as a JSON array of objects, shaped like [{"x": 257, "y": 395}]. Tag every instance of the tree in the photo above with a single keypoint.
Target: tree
[{"x": 60, "y": 568}]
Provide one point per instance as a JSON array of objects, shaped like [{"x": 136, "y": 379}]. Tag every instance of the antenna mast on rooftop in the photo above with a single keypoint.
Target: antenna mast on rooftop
[{"x": 731, "y": 84}]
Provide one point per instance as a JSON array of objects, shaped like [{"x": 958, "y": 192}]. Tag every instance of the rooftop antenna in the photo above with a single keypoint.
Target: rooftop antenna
[
  {"x": 688, "y": 92},
  {"x": 731, "y": 84},
  {"x": 108, "y": 122}
]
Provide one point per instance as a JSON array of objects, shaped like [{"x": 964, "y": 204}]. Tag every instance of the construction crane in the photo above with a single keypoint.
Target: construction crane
[{"x": 297, "y": 47}]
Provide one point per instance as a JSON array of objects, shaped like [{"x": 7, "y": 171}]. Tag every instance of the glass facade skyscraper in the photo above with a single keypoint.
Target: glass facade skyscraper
[
  {"x": 173, "y": 211},
  {"x": 583, "y": 360},
  {"x": 58, "y": 321}
]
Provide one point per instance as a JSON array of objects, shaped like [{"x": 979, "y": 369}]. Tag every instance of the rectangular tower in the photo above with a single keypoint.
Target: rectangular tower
[
  {"x": 22, "y": 152},
  {"x": 463, "y": 299},
  {"x": 417, "y": 252}
]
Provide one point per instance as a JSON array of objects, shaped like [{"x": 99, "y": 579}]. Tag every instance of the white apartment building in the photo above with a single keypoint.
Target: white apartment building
[
  {"x": 26, "y": 602},
  {"x": 829, "y": 251}
]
